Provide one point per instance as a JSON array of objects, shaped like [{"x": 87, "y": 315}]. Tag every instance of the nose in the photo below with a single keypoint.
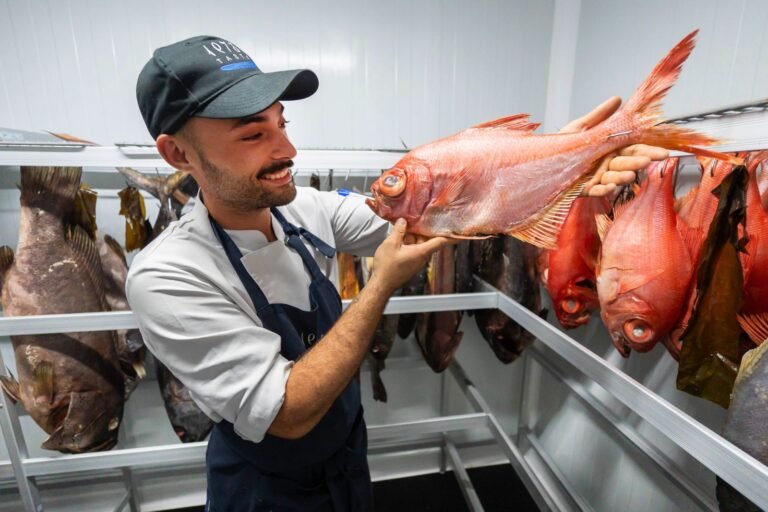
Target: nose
[{"x": 283, "y": 149}]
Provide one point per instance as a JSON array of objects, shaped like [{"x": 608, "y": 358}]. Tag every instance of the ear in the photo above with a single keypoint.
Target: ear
[{"x": 173, "y": 152}]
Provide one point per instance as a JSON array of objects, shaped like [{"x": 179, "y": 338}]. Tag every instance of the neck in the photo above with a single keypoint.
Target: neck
[{"x": 228, "y": 218}]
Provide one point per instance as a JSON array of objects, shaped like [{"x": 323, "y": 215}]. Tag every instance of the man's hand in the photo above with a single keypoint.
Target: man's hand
[
  {"x": 396, "y": 260},
  {"x": 619, "y": 168}
]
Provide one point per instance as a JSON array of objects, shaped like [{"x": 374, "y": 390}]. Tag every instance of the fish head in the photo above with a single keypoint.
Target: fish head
[
  {"x": 632, "y": 323},
  {"x": 402, "y": 191},
  {"x": 91, "y": 423},
  {"x": 575, "y": 302}
]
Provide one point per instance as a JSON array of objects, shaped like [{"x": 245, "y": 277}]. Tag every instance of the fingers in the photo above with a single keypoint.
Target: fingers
[
  {"x": 628, "y": 163},
  {"x": 434, "y": 244},
  {"x": 652, "y": 152},
  {"x": 602, "y": 190},
  {"x": 599, "y": 114},
  {"x": 618, "y": 177}
]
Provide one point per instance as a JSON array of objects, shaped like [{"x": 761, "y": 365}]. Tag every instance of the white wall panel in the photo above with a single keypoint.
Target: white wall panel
[
  {"x": 415, "y": 70},
  {"x": 621, "y": 41}
]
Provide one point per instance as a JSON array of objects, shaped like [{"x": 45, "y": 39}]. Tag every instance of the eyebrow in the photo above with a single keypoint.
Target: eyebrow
[{"x": 255, "y": 118}]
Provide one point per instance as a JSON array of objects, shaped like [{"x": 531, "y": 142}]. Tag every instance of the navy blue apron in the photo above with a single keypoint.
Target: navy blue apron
[{"x": 327, "y": 469}]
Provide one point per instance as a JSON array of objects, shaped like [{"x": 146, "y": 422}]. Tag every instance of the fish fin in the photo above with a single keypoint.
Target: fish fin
[
  {"x": 604, "y": 223},
  {"x": 692, "y": 238},
  {"x": 87, "y": 256},
  {"x": 135, "y": 212},
  {"x": 42, "y": 380},
  {"x": 6, "y": 261},
  {"x": 11, "y": 386},
  {"x": 754, "y": 159},
  {"x": 84, "y": 214},
  {"x": 71, "y": 138},
  {"x": 115, "y": 247},
  {"x": 173, "y": 182},
  {"x": 644, "y": 108},
  {"x": 517, "y": 122},
  {"x": 543, "y": 231},
  {"x": 141, "y": 181},
  {"x": 630, "y": 281},
  {"x": 50, "y": 188},
  {"x": 756, "y": 326},
  {"x": 680, "y": 202},
  {"x": 453, "y": 195}
]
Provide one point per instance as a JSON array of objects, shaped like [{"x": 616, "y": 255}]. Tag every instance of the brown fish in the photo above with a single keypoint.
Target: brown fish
[
  {"x": 70, "y": 384},
  {"x": 438, "y": 332}
]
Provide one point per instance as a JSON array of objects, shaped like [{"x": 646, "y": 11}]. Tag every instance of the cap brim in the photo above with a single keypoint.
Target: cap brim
[{"x": 258, "y": 92}]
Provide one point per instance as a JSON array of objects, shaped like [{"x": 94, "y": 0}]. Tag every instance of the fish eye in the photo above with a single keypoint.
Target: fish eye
[
  {"x": 637, "y": 330},
  {"x": 571, "y": 305},
  {"x": 393, "y": 183}
]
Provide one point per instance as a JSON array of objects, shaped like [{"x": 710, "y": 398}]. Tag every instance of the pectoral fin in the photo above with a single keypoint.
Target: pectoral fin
[
  {"x": 11, "y": 387},
  {"x": 42, "y": 382}
]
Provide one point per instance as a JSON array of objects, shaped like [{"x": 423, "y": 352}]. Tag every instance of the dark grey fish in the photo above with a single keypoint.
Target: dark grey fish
[
  {"x": 70, "y": 384},
  {"x": 438, "y": 332},
  {"x": 189, "y": 422},
  {"x": 746, "y": 424},
  {"x": 509, "y": 265}
]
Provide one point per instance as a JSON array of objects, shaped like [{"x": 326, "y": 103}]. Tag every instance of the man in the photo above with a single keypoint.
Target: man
[{"x": 239, "y": 299}]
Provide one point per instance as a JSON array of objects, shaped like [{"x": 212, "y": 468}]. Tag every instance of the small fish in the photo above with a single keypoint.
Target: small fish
[
  {"x": 500, "y": 178},
  {"x": 641, "y": 298},
  {"x": 438, "y": 332},
  {"x": 569, "y": 270},
  {"x": 349, "y": 286},
  {"x": 510, "y": 266},
  {"x": 746, "y": 423},
  {"x": 189, "y": 423},
  {"x": 71, "y": 384}
]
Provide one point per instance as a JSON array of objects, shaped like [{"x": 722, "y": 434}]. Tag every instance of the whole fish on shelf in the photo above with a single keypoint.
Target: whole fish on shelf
[
  {"x": 71, "y": 384},
  {"x": 509, "y": 265},
  {"x": 568, "y": 272},
  {"x": 500, "y": 178},
  {"x": 438, "y": 332},
  {"x": 189, "y": 423},
  {"x": 645, "y": 269}
]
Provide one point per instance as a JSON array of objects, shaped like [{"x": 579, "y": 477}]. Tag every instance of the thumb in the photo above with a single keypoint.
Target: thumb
[
  {"x": 598, "y": 115},
  {"x": 398, "y": 233}
]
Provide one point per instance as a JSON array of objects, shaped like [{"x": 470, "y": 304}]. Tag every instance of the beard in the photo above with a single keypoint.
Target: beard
[{"x": 246, "y": 194}]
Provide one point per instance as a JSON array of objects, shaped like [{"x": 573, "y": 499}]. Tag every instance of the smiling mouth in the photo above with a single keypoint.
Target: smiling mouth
[{"x": 273, "y": 176}]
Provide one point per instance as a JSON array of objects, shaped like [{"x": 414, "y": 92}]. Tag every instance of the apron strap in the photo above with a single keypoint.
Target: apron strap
[
  {"x": 234, "y": 255},
  {"x": 326, "y": 250}
]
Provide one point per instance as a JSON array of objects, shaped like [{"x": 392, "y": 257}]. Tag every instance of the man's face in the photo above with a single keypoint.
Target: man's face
[{"x": 244, "y": 163}]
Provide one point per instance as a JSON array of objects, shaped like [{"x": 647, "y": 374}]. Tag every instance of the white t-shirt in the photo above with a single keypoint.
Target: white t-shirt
[{"x": 197, "y": 318}]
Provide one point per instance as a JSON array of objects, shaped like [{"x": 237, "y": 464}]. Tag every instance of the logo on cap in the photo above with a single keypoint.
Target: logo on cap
[{"x": 225, "y": 52}]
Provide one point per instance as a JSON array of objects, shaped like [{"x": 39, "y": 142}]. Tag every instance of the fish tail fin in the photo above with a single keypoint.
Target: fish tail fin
[
  {"x": 756, "y": 326},
  {"x": 50, "y": 188},
  {"x": 644, "y": 108}
]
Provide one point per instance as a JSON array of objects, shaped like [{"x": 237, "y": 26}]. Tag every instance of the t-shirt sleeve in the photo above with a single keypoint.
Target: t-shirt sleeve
[
  {"x": 232, "y": 367},
  {"x": 357, "y": 230}
]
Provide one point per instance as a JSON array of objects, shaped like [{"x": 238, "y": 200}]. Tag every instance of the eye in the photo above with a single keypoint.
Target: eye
[
  {"x": 637, "y": 330},
  {"x": 393, "y": 183},
  {"x": 255, "y": 136},
  {"x": 571, "y": 305}
]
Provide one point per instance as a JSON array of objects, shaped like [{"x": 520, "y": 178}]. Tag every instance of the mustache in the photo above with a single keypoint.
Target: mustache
[{"x": 277, "y": 166}]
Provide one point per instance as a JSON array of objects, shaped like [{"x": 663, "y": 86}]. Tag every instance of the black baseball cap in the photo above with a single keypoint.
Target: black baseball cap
[{"x": 208, "y": 76}]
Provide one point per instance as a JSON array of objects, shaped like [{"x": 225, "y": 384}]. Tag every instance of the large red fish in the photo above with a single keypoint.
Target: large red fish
[
  {"x": 754, "y": 311},
  {"x": 498, "y": 177},
  {"x": 570, "y": 269},
  {"x": 645, "y": 268}
]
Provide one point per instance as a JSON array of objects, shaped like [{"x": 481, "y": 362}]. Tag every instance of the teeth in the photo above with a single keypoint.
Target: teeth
[{"x": 277, "y": 175}]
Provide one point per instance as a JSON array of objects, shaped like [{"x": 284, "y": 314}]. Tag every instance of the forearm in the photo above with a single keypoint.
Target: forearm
[{"x": 320, "y": 376}]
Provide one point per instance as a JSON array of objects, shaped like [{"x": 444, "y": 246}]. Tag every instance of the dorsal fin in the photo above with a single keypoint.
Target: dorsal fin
[
  {"x": 6, "y": 260},
  {"x": 542, "y": 232},
  {"x": 84, "y": 214},
  {"x": 87, "y": 256},
  {"x": 114, "y": 245},
  {"x": 517, "y": 122},
  {"x": 756, "y": 326},
  {"x": 603, "y": 223}
]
